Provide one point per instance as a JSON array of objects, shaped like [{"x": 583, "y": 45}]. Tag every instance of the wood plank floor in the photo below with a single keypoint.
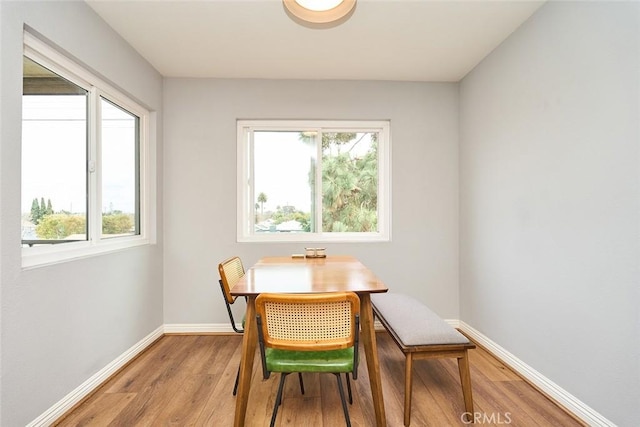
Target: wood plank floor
[{"x": 187, "y": 380}]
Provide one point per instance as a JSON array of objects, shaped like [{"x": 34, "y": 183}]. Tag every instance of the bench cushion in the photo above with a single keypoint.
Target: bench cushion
[{"x": 413, "y": 322}]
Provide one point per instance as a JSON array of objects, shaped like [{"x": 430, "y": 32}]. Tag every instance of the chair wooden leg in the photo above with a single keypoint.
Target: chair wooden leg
[
  {"x": 408, "y": 376},
  {"x": 344, "y": 402},
  {"x": 465, "y": 381}
]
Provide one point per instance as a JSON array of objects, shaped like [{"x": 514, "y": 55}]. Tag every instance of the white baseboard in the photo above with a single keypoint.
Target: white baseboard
[
  {"x": 199, "y": 328},
  {"x": 454, "y": 323},
  {"x": 570, "y": 402},
  {"x": 564, "y": 398},
  {"x": 64, "y": 405}
]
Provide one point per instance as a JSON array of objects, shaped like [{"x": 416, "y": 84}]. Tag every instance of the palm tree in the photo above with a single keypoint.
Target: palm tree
[
  {"x": 262, "y": 199},
  {"x": 349, "y": 182},
  {"x": 349, "y": 188}
]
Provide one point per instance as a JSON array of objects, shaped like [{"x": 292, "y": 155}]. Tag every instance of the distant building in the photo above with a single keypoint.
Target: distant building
[
  {"x": 289, "y": 226},
  {"x": 268, "y": 226}
]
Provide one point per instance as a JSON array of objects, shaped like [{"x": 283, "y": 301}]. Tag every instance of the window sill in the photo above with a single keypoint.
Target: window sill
[{"x": 43, "y": 256}]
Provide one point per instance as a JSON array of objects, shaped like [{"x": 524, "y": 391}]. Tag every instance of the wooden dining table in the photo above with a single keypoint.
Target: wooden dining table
[{"x": 309, "y": 275}]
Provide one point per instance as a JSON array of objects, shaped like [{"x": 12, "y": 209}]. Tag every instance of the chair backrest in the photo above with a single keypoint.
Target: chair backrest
[
  {"x": 309, "y": 322},
  {"x": 231, "y": 270}
]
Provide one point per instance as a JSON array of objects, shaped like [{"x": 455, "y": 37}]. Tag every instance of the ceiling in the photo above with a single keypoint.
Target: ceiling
[{"x": 401, "y": 40}]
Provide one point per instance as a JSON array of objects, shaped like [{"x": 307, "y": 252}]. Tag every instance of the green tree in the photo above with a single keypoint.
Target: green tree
[
  {"x": 117, "y": 223},
  {"x": 349, "y": 182},
  {"x": 289, "y": 213},
  {"x": 35, "y": 212},
  {"x": 262, "y": 199},
  {"x": 304, "y": 219},
  {"x": 39, "y": 210},
  {"x": 60, "y": 226},
  {"x": 331, "y": 139}
]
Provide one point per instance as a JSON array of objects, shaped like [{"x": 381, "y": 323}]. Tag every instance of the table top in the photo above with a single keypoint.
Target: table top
[{"x": 308, "y": 275}]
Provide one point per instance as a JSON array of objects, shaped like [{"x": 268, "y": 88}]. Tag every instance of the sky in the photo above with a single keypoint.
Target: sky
[
  {"x": 54, "y": 154},
  {"x": 282, "y": 163}
]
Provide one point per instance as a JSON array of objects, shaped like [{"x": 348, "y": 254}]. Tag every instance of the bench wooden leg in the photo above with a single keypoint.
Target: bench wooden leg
[
  {"x": 408, "y": 376},
  {"x": 465, "y": 380}
]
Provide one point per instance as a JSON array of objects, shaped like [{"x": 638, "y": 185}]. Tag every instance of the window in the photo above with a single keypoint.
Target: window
[
  {"x": 313, "y": 181},
  {"x": 84, "y": 146}
]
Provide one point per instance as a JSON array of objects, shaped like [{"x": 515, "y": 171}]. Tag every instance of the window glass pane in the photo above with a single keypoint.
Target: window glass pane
[
  {"x": 54, "y": 157},
  {"x": 349, "y": 182},
  {"x": 284, "y": 176},
  {"x": 120, "y": 183},
  {"x": 84, "y": 155},
  {"x": 325, "y": 180}
]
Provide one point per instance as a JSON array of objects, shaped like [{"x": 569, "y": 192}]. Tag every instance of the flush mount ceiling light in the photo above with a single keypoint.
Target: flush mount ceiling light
[{"x": 320, "y": 12}]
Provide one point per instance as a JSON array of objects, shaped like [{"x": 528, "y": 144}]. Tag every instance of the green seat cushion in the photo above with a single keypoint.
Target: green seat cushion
[{"x": 309, "y": 361}]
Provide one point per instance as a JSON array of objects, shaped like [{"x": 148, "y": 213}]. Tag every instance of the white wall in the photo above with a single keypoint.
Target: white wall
[
  {"x": 200, "y": 184},
  {"x": 550, "y": 200},
  {"x": 63, "y": 323}
]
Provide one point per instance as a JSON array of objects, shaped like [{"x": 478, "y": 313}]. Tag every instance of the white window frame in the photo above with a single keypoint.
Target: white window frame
[
  {"x": 41, "y": 255},
  {"x": 245, "y": 196}
]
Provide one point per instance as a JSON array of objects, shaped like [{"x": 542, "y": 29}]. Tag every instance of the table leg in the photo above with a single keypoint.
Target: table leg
[
  {"x": 246, "y": 365},
  {"x": 371, "y": 352}
]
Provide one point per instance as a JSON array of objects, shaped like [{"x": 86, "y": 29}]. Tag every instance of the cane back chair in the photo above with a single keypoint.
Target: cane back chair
[
  {"x": 309, "y": 333},
  {"x": 231, "y": 270}
]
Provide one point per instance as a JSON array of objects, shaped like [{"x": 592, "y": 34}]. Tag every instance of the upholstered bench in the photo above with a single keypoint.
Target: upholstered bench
[{"x": 421, "y": 334}]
